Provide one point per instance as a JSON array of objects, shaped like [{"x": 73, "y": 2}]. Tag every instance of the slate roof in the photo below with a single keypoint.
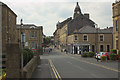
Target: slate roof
[
  {"x": 78, "y": 23},
  {"x": 90, "y": 29},
  {"x": 61, "y": 24}
]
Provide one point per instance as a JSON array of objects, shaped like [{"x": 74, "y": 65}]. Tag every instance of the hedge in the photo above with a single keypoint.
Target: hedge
[
  {"x": 103, "y": 58},
  {"x": 91, "y": 54},
  {"x": 119, "y": 53},
  {"x": 114, "y": 51},
  {"x": 84, "y": 55},
  {"x": 27, "y": 56},
  {"x": 119, "y": 58},
  {"x": 112, "y": 56}
]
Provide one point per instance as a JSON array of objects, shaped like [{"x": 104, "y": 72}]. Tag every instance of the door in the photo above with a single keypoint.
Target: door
[
  {"x": 108, "y": 48},
  {"x": 93, "y": 48},
  {"x": 75, "y": 50}
]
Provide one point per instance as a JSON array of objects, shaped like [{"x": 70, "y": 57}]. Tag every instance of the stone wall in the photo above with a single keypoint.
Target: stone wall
[
  {"x": 30, "y": 67},
  {"x": 13, "y": 59}
]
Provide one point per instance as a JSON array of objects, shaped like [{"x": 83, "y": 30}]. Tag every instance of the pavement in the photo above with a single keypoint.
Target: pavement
[{"x": 56, "y": 65}]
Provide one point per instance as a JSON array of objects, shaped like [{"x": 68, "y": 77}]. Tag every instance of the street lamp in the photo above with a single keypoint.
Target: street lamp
[
  {"x": 96, "y": 37},
  {"x": 22, "y": 46},
  {"x": 66, "y": 41}
]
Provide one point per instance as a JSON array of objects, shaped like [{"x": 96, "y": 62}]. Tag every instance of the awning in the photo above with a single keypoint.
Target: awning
[{"x": 81, "y": 44}]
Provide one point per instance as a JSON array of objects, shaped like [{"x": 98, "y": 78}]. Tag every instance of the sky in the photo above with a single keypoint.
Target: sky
[{"x": 47, "y": 13}]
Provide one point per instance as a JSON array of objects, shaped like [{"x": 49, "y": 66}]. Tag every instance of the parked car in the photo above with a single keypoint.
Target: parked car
[{"x": 99, "y": 54}]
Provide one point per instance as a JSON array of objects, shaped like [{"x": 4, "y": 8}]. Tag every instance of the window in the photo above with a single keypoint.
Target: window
[
  {"x": 85, "y": 37},
  {"x": 116, "y": 25},
  {"x": 32, "y": 45},
  {"x": 75, "y": 37},
  {"x": 93, "y": 48},
  {"x": 116, "y": 44},
  {"x": 101, "y": 38},
  {"x": 101, "y": 48},
  {"x": 32, "y": 34}
]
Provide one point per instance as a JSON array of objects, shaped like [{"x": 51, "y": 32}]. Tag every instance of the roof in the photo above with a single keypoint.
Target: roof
[
  {"x": 61, "y": 24},
  {"x": 78, "y": 23},
  {"x": 90, "y": 29},
  {"x": 28, "y": 26}
]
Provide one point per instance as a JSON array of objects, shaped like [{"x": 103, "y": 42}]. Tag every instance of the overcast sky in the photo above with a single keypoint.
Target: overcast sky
[{"x": 47, "y": 13}]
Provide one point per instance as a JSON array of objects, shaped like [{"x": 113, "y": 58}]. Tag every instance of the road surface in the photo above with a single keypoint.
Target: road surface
[{"x": 56, "y": 65}]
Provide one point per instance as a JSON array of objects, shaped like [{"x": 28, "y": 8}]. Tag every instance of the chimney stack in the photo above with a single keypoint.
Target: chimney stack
[{"x": 86, "y": 15}]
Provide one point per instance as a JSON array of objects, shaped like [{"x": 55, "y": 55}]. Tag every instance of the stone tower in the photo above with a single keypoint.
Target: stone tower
[{"x": 77, "y": 11}]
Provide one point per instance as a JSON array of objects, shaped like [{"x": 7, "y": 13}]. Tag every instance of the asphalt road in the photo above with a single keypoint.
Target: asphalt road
[{"x": 57, "y": 65}]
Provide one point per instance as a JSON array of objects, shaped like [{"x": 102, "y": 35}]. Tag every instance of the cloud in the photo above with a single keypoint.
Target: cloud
[{"x": 48, "y": 13}]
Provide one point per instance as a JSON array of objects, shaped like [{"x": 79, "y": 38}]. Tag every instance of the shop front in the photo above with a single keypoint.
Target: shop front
[{"x": 78, "y": 48}]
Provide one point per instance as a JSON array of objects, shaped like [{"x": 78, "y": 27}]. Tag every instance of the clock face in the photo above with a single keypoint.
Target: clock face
[{"x": 78, "y": 12}]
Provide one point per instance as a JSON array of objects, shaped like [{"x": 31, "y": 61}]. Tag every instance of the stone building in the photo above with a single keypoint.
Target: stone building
[
  {"x": 81, "y": 34},
  {"x": 7, "y": 29},
  {"x": 116, "y": 25},
  {"x": 61, "y": 33},
  {"x": 33, "y": 36},
  {"x": 66, "y": 28},
  {"x": 89, "y": 39}
]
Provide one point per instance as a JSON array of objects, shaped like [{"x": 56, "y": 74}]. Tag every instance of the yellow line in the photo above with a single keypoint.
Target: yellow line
[
  {"x": 57, "y": 72},
  {"x": 112, "y": 69},
  {"x": 54, "y": 70}
]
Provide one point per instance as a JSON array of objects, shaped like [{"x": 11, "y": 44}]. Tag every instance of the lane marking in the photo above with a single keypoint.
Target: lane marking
[{"x": 55, "y": 70}]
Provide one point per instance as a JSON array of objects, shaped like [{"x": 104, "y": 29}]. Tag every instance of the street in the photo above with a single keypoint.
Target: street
[{"x": 59, "y": 65}]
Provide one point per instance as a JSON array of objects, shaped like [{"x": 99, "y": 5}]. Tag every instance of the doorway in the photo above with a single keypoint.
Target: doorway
[
  {"x": 75, "y": 50},
  {"x": 108, "y": 48}
]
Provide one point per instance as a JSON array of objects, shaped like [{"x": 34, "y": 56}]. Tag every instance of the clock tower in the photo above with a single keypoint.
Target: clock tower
[{"x": 77, "y": 11}]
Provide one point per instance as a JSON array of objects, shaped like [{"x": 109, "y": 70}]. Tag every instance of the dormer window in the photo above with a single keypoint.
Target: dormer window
[{"x": 75, "y": 37}]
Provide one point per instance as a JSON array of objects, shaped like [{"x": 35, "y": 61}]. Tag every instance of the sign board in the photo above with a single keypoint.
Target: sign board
[
  {"x": 26, "y": 43},
  {"x": 80, "y": 44},
  {"x": 23, "y": 37}
]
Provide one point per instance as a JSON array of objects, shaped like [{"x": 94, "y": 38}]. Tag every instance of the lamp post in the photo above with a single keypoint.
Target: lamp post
[
  {"x": 96, "y": 37},
  {"x": 22, "y": 46},
  {"x": 66, "y": 41}
]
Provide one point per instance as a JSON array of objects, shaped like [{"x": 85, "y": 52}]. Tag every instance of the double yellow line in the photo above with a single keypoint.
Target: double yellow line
[{"x": 55, "y": 70}]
